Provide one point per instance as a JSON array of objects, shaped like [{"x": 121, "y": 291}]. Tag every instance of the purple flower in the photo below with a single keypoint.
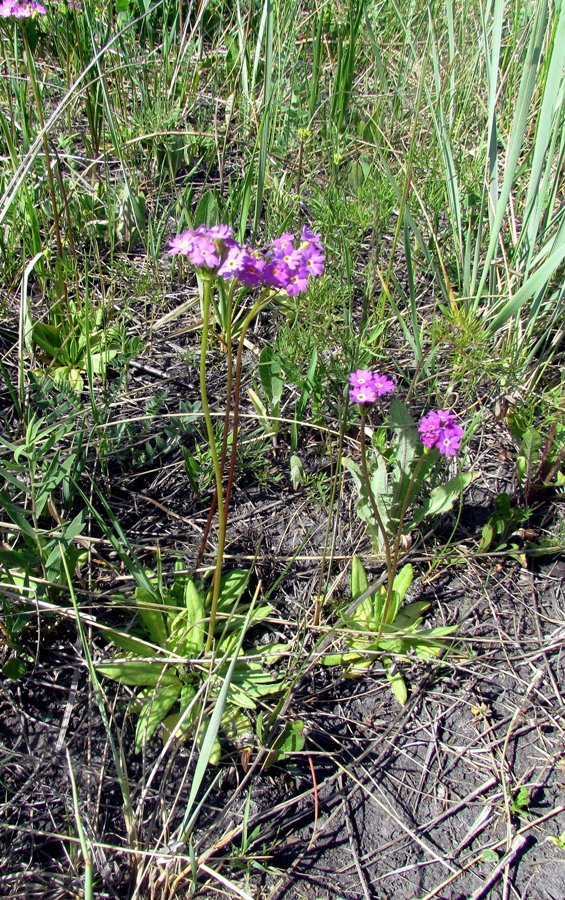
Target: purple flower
[
  {"x": 440, "y": 429},
  {"x": 365, "y": 378},
  {"x": 21, "y": 9},
  {"x": 233, "y": 263},
  {"x": 284, "y": 266},
  {"x": 363, "y": 394},
  {"x": 308, "y": 238},
  {"x": 360, "y": 378},
  {"x": 206, "y": 248},
  {"x": 382, "y": 385},
  {"x": 251, "y": 274},
  {"x": 313, "y": 260},
  {"x": 284, "y": 242}
]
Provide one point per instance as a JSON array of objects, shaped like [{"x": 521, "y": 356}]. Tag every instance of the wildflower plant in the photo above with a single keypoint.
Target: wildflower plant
[
  {"x": 194, "y": 660},
  {"x": 284, "y": 268},
  {"x": 400, "y": 482}
]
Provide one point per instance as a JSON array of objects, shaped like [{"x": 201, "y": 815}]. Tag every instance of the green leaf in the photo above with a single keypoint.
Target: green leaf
[
  {"x": 128, "y": 642},
  {"x": 407, "y": 446},
  {"x": 359, "y": 583},
  {"x": 410, "y": 615},
  {"x": 187, "y": 627},
  {"x": 400, "y": 588},
  {"x": 297, "y": 475},
  {"x": 232, "y": 586},
  {"x": 290, "y": 741},
  {"x": 138, "y": 674},
  {"x": 397, "y": 684},
  {"x": 153, "y": 712},
  {"x": 14, "y": 668},
  {"x": 148, "y": 605},
  {"x": 444, "y": 496}
]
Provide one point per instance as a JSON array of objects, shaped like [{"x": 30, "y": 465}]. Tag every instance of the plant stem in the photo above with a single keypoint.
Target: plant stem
[
  {"x": 229, "y": 352},
  {"x": 261, "y": 303},
  {"x": 206, "y": 302},
  {"x": 378, "y": 518},
  {"x": 37, "y": 95}
]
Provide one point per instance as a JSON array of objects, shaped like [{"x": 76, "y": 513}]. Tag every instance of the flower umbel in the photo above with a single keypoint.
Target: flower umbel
[
  {"x": 366, "y": 384},
  {"x": 284, "y": 266},
  {"x": 21, "y": 9},
  {"x": 439, "y": 429}
]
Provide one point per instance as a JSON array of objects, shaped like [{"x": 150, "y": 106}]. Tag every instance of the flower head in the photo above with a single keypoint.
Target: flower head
[
  {"x": 439, "y": 429},
  {"x": 364, "y": 394},
  {"x": 284, "y": 266},
  {"x": 365, "y": 380},
  {"x": 360, "y": 378},
  {"x": 21, "y": 9}
]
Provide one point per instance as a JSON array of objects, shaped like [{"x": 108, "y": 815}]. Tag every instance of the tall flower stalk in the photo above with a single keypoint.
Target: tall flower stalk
[
  {"x": 23, "y": 11},
  {"x": 286, "y": 267},
  {"x": 438, "y": 429}
]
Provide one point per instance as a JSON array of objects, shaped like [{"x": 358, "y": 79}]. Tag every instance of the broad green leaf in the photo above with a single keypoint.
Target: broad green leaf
[
  {"x": 151, "y": 616},
  {"x": 359, "y": 583},
  {"x": 128, "y": 642},
  {"x": 153, "y": 713},
  {"x": 139, "y": 674},
  {"x": 407, "y": 444},
  {"x": 290, "y": 741},
  {"x": 444, "y": 496},
  {"x": 232, "y": 586},
  {"x": 397, "y": 685},
  {"x": 187, "y": 627},
  {"x": 401, "y": 586},
  {"x": 338, "y": 659},
  {"x": 297, "y": 475},
  {"x": 411, "y": 614}
]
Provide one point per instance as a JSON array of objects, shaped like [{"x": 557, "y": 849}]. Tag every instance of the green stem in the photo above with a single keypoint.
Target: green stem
[
  {"x": 261, "y": 303},
  {"x": 229, "y": 352},
  {"x": 206, "y": 302},
  {"x": 395, "y": 551},
  {"x": 37, "y": 95},
  {"x": 378, "y": 518}
]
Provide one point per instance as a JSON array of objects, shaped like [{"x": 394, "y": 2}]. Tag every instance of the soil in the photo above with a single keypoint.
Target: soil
[{"x": 459, "y": 794}]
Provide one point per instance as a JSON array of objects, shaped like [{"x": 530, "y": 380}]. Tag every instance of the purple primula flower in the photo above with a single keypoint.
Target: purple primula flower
[
  {"x": 382, "y": 384},
  {"x": 21, "y": 9},
  {"x": 276, "y": 274},
  {"x": 251, "y": 273},
  {"x": 284, "y": 242},
  {"x": 234, "y": 261},
  {"x": 440, "y": 429},
  {"x": 206, "y": 248},
  {"x": 360, "y": 378},
  {"x": 313, "y": 260},
  {"x": 365, "y": 378},
  {"x": 308, "y": 239},
  {"x": 363, "y": 394},
  {"x": 284, "y": 267},
  {"x": 298, "y": 282}
]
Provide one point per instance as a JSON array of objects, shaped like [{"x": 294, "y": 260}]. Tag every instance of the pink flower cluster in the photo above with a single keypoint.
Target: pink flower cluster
[
  {"x": 21, "y": 9},
  {"x": 287, "y": 264},
  {"x": 367, "y": 386},
  {"x": 440, "y": 429}
]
